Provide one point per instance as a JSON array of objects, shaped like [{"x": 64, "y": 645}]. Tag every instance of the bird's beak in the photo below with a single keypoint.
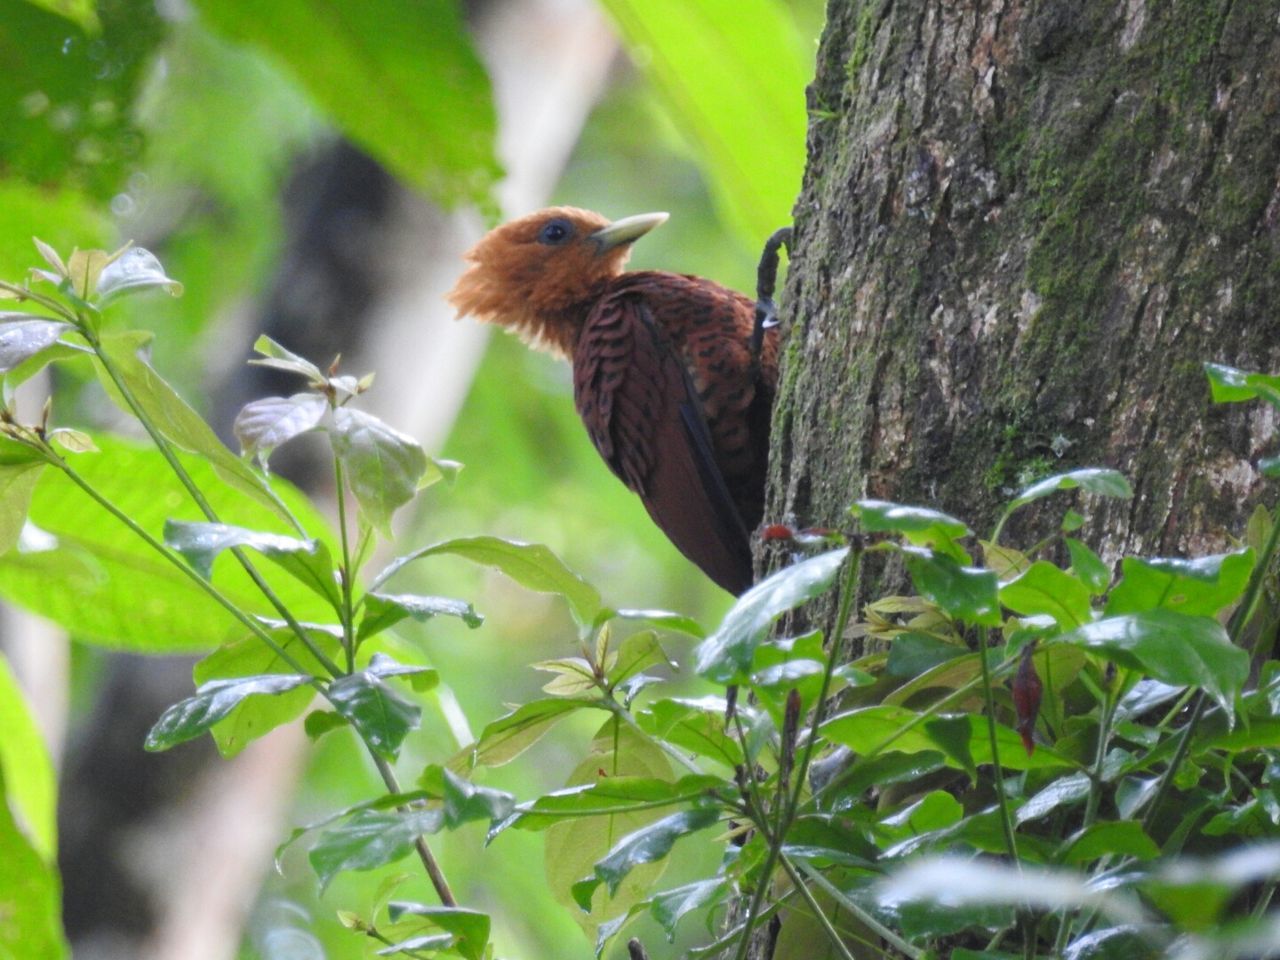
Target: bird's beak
[{"x": 626, "y": 230}]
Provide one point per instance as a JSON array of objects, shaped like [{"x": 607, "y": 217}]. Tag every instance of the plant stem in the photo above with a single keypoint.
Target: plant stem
[
  {"x": 348, "y": 610},
  {"x": 1104, "y": 734},
  {"x": 849, "y": 588},
  {"x": 166, "y": 450},
  {"x": 841, "y": 898},
  {"x": 1006, "y": 821},
  {"x": 245, "y": 619},
  {"x": 832, "y": 934},
  {"x": 623, "y": 714},
  {"x": 428, "y": 859}
]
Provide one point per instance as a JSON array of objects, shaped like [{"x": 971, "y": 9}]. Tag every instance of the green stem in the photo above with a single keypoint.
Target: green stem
[
  {"x": 1104, "y": 734},
  {"x": 833, "y": 936},
  {"x": 841, "y": 898},
  {"x": 623, "y": 714},
  {"x": 1006, "y": 821},
  {"x": 849, "y": 589},
  {"x": 245, "y": 619},
  {"x": 166, "y": 450},
  {"x": 348, "y": 608},
  {"x": 428, "y": 859}
]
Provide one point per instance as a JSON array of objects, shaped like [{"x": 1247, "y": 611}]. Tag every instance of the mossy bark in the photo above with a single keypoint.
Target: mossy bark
[{"x": 1023, "y": 228}]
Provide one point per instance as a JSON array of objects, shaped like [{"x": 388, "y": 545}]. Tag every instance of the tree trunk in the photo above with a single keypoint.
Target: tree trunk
[{"x": 1023, "y": 228}]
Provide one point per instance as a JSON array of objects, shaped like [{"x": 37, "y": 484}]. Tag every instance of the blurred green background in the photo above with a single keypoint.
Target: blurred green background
[{"x": 263, "y": 149}]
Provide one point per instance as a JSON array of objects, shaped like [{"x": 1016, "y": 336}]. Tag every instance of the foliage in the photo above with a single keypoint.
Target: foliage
[{"x": 1029, "y": 757}]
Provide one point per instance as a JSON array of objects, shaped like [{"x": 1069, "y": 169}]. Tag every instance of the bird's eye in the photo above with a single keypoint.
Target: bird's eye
[{"x": 555, "y": 232}]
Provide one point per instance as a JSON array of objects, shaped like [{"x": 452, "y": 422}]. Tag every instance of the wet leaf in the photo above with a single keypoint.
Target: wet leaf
[
  {"x": 1099, "y": 481},
  {"x": 369, "y": 839},
  {"x": 726, "y": 655},
  {"x": 384, "y": 610},
  {"x": 23, "y": 336},
  {"x": 262, "y": 425},
  {"x": 465, "y": 801},
  {"x": 384, "y": 466},
  {"x": 1088, "y": 566},
  {"x": 214, "y": 700},
  {"x": 469, "y": 928},
  {"x": 134, "y": 271},
  {"x": 1045, "y": 589},
  {"x": 649, "y": 843},
  {"x": 967, "y": 593},
  {"x": 274, "y": 355},
  {"x": 918, "y": 525},
  {"x": 382, "y": 717},
  {"x": 1203, "y": 586},
  {"x": 509, "y": 736}
]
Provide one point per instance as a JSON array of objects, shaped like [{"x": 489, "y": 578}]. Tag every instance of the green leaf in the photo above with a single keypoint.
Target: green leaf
[
  {"x": 402, "y": 81},
  {"x": 605, "y": 796},
  {"x": 214, "y": 700},
  {"x": 79, "y": 12},
  {"x": 384, "y": 610},
  {"x": 1064, "y": 791},
  {"x": 1203, "y": 586},
  {"x": 509, "y": 736},
  {"x": 30, "y": 895},
  {"x": 531, "y": 565},
  {"x": 369, "y": 839},
  {"x": 695, "y": 725},
  {"x": 175, "y": 419},
  {"x": 1231, "y": 385},
  {"x": 262, "y": 425},
  {"x": 572, "y": 848},
  {"x": 1124, "y": 838},
  {"x": 731, "y": 73},
  {"x": 662, "y": 619},
  {"x": 911, "y": 654},
  {"x": 27, "y": 771},
  {"x": 1172, "y": 647},
  {"x": 307, "y": 561},
  {"x": 868, "y": 730},
  {"x": 1088, "y": 566},
  {"x": 918, "y": 525},
  {"x": 320, "y": 722},
  {"x": 280, "y": 358},
  {"x": 1045, "y": 589},
  {"x": 17, "y": 485},
  {"x": 247, "y": 657},
  {"x": 384, "y": 466},
  {"x": 671, "y": 905},
  {"x": 381, "y": 716},
  {"x": 1099, "y": 481},
  {"x": 726, "y": 655},
  {"x": 638, "y": 652},
  {"x": 22, "y": 336},
  {"x": 649, "y": 843},
  {"x": 134, "y": 271},
  {"x": 967, "y": 593},
  {"x": 465, "y": 801},
  {"x": 88, "y": 577},
  {"x": 470, "y": 928}
]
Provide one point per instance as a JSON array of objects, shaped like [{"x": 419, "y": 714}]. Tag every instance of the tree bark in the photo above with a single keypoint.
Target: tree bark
[{"x": 1023, "y": 228}]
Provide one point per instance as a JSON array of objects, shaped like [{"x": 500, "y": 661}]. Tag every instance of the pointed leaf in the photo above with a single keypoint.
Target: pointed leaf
[
  {"x": 652, "y": 842},
  {"x": 726, "y": 655},
  {"x": 1124, "y": 838},
  {"x": 465, "y": 801},
  {"x": 175, "y": 419},
  {"x": 84, "y": 267},
  {"x": 1203, "y": 586},
  {"x": 507, "y": 737},
  {"x": 31, "y": 893},
  {"x": 1099, "y": 481},
  {"x": 262, "y": 425},
  {"x": 189, "y": 718},
  {"x": 607, "y": 795},
  {"x": 671, "y": 905},
  {"x": 306, "y": 560},
  {"x": 27, "y": 780},
  {"x": 1171, "y": 647},
  {"x": 918, "y": 525},
  {"x": 381, "y": 716},
  {"x": 368, "y": 839},
  {"x": 134, "y": 271},
  {"x": 384, "y": 466},
  {"x": 531, "y": 565},
  {"x": 23, "y": 336},
  {"x": 384, "y": 610},
  {"x": 1088, "y": 566},
  {"x": 470, "y": 928},
  {"x": 1044, "y": 588},
  {"x": 967, "y": 593},
  {"x": 1230, "y": 385},
  {"x": 638, "y": 652},
  {"x": 284, "y": 359},
  {"x": 663, "y": 620}
]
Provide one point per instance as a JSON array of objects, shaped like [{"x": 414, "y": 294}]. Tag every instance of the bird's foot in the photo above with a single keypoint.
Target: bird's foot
[{"x": 766, "y": 280}]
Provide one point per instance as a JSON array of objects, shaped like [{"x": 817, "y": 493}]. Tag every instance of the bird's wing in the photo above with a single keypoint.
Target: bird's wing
[{"x": 643, "y": 415}]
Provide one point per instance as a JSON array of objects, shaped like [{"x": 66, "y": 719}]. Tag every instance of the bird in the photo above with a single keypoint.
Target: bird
[{"x": 674, "y": 375}]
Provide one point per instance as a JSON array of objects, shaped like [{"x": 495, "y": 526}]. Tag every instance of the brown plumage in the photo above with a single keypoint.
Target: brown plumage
[{"x": 664, "y": 376}]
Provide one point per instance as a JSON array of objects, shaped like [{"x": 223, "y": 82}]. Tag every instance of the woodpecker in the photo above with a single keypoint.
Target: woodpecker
[{"x": 673, "y": 375}]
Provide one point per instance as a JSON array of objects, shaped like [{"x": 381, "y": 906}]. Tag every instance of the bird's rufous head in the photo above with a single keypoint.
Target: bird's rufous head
[{"x": 539, "y": 275}]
